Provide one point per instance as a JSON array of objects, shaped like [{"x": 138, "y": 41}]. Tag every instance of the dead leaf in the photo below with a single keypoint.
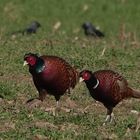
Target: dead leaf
[
  {"x": 56, "y": 25},
  {"x": 85, "y": 7},
  {"x": 43, "y": 124}
]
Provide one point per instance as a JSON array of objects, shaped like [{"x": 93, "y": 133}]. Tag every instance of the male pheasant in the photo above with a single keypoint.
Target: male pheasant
[
  {"x": 51, "y": 75},
  {"x": 109, "y": 88}
]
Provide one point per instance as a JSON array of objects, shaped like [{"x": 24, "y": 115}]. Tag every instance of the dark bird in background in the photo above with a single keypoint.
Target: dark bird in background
[
  {"x": 32, "y": 28},
  {"x": 91, "y": 30},
  {"x": 51, "y": 75},
  {"x": 109, "y": 88}
]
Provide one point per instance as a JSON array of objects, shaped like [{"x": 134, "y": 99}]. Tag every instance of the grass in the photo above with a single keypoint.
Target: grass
[{"x": 120, "y": 22}]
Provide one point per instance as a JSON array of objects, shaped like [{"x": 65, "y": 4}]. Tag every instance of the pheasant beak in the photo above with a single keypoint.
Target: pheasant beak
[
  {"x": 81, "y": 79},
  {"x": 25, "y": 63}
]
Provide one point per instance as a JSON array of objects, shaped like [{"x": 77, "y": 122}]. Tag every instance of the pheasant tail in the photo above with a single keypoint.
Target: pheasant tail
[{"x": 135, "y": 93}]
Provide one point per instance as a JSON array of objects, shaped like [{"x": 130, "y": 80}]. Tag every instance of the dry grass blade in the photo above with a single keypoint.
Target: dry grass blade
[{"x": 103, "y": 52}]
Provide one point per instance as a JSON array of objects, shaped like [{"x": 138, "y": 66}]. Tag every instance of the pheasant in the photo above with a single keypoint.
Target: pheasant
[
  {"x": 109, "y": 88},
  {"x": 51, "y": 75}
]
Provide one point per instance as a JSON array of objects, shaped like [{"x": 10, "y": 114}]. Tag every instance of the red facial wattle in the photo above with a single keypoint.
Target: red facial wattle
[
  {"x": 86, "y": 76},
  {"x": 31, "y": 61}
]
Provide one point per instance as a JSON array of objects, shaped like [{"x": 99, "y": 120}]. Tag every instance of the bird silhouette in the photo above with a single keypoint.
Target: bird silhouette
[
  {"x": 90, "y": 30},
  {"x": 32, "y": 28}
]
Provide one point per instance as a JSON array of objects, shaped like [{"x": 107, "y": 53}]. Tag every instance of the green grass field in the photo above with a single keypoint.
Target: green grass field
[{"x": 118, "y": 19}]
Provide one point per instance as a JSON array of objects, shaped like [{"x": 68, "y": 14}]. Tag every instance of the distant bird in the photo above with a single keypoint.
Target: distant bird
[
  {"x": 51, "y": 75},
  {"x": 32, "y": 28},
  {"x": 109, "y": 88},
  {"x": 91, "y": 30}
]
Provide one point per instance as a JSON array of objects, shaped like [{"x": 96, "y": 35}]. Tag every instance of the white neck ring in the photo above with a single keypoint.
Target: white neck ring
[{"x": 96, "y": 84}]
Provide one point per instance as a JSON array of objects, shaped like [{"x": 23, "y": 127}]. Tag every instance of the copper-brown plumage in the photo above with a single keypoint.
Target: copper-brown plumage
[
  {"x": 108, "y": 87},
  {"x": 51, "y": 75}
]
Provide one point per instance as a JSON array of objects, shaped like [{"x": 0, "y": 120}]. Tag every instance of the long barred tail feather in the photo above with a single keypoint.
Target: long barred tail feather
[{"x": 135, "y": 93}]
